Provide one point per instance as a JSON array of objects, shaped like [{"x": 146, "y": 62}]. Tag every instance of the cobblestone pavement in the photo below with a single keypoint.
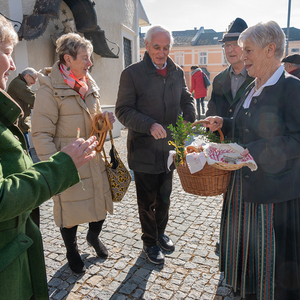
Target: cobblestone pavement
[{"x": 190, "y": 272}]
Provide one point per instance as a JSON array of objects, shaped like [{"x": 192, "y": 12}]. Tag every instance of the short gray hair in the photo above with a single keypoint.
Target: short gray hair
[
  {"x": 263, "y": 34},
  {"x": 155, "y": 29},
  {"x": 71, "y": 43},
  {"x": 295, "y": 65},
  {"x": 31, "y": 71}
]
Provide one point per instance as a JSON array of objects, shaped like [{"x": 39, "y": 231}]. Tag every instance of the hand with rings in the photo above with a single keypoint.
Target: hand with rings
[{"x": 81, "y": 151}]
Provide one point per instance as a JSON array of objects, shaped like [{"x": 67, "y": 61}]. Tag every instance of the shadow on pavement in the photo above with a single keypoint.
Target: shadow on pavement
[{"x": 137, "y": 276}]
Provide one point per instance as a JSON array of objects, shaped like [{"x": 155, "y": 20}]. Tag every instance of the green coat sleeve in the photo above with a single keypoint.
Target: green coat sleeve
[{"x": 27, "y": 190}]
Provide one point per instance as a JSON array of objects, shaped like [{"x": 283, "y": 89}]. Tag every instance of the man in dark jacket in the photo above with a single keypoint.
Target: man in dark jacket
[
  {"x": 230, "y": 84},
  {"x": 292, "y": 64},
  {"x": 19, "y": 90},
  {"x": 151, "y": 92}
]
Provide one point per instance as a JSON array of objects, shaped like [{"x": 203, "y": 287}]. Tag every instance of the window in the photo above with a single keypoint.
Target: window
[
  {"x": 179, "y": 58},
  {"x": 295, "y": 50},
  {"x": 127, "y": 52},
  {"x": 202, "y": 58}
]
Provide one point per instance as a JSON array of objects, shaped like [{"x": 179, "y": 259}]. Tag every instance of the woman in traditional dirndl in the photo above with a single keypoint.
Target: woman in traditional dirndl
[{"x": 260, "y": 223}]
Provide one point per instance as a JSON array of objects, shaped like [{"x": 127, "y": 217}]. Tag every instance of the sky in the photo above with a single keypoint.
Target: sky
[{"x": 218, "y": 14}]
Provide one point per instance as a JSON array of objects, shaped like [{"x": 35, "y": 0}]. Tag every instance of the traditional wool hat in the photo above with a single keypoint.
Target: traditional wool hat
[
  {"x": 293, "y": 59},
  {"x": 235, "y": 28}
]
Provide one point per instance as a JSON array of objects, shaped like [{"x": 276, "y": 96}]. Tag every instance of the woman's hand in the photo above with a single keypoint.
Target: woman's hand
[
  {"x": 111, "y": 116},
  {"x": 81, "y": 151},
  {"x": 213, "y": 123}
]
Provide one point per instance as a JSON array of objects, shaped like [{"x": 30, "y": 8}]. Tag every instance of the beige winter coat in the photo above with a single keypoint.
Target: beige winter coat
[{"x": 58, "y": 112}]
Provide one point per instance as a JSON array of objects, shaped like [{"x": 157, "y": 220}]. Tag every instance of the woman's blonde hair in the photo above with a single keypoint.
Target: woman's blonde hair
[
  {"x": 263, "y": 34},
  {"x": 70, "y": 43},
  {"x": 7, "y": 31}
]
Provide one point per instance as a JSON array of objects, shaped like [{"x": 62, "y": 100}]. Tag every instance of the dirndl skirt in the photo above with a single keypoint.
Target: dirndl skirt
[{"x": 260, "y": 245}]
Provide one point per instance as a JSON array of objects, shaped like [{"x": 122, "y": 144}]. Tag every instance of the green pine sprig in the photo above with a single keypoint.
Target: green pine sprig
[{"x": 182, "y": 132}]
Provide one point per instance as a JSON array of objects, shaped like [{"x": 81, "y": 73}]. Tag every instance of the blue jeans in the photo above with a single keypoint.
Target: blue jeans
[{"x": 27, "y": 142}]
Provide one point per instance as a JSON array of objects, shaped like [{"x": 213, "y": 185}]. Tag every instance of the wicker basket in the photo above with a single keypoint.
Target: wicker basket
[
  {"x": 227, "y": 166},
  {"x": 207, "y": 182}
]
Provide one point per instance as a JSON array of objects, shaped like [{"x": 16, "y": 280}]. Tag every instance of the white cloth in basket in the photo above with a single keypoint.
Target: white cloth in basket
[
  {"x": 215, "y": 154},
  {"x": 195, "y": 161}
]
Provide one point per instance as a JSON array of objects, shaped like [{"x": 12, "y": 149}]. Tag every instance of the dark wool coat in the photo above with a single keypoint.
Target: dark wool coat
[
  {"x": 296, "y": 73},
  {"x": 146, "y": 97},
  {"x": 25, "y": 97},
  {"x": 272, "y": 136},
  {"x": 221, "y": 102},
  {"x": 23, "y": 187}
]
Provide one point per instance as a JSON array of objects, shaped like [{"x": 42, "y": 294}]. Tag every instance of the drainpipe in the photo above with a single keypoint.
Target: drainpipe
[{"x": 288, "y": 30}]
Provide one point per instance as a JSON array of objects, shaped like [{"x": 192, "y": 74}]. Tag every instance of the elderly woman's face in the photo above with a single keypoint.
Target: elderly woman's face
[
  {"x": 255, "y": 59},
  {"x": 81, "y": 64},
  {"x": 6, "y": 62}
]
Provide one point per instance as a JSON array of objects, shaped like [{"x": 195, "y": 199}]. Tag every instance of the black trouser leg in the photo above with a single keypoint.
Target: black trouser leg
[
  {"x": 198, "y": 108},
  {"x": 93, "y": 240},
  {"x": 202, "y": 105},
  {"x": 74, "y": 259},
  {"x": 96, "y": 227},
  {"x": 153, "y": 197},
  {"x": 35, "y": 216}
]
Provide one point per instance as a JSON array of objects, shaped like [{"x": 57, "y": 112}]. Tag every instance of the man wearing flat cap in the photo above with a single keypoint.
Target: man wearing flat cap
[
  {"x": 229, "y": 85},
  {"x": 292, "y": 64}
]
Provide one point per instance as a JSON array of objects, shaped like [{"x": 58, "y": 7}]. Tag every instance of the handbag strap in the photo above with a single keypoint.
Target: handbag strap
[{"x": 112, "y": 143}]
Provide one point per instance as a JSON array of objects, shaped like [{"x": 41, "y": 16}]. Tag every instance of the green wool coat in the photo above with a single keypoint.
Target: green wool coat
[{"x": 23, "y": 187}]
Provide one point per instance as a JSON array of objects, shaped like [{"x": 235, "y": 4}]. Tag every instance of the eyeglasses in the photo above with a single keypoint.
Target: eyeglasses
[
  {"x": 232, "y": 45},
  {"x": 34, "y": 79}
]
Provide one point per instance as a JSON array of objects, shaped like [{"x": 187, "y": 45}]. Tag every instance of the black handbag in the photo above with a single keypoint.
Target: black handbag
[
  {"x": 206, "y": 81},
  {"x": 118, "y": 176}
]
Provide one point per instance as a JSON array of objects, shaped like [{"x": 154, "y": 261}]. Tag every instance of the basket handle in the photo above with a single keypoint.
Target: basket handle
[{"x": 206, "y": 121}]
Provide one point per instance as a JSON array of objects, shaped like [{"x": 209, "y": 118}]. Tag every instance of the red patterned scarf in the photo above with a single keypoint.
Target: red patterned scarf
[{"x": 79, "y": 86}]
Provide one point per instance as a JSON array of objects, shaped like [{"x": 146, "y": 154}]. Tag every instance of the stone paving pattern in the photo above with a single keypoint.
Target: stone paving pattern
[{"x": 190, "y": 272}]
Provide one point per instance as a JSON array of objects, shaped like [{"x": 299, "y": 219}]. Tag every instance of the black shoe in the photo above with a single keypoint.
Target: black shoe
[
  {"x": 97, "y": 245},
  {"x": 73, "y": 257},
  {"x": 93, "y": 238},
  {"x": 75, "y": 262},
  {"x": 165, "y": 243},
  {"x": 154, "y": 254}
]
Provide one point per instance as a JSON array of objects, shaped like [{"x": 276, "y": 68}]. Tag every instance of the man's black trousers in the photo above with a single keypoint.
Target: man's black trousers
[{"x": 153, "y": 198}]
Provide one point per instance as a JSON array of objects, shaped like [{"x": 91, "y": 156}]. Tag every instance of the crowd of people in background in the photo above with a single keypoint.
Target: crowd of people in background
[{"x": 255, "y": 101}]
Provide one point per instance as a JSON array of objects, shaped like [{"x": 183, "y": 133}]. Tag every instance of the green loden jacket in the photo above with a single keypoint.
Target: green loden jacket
[{"x": 23, "y": 187}]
